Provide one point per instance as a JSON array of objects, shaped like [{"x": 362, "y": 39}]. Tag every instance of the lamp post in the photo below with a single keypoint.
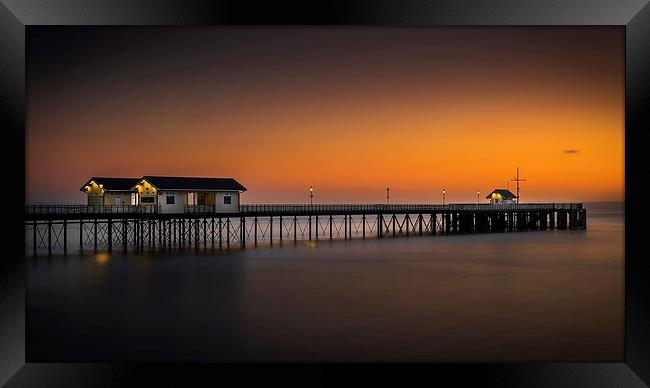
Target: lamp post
[
  {"x": 477, "y": 197},
  {"x": 443, "y": 196},
  {"x": 311, "y": 195},
  {"x": 387, "y": 195}
]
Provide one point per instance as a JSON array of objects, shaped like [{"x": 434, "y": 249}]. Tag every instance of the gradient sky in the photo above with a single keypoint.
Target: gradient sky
[{"x": 347, "y": 110}]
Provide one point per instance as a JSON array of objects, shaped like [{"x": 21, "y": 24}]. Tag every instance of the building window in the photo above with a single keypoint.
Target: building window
[
  {"x": 227, "y": 200},
  {"x": 170, "y": 200},
  {"x": 146, "y": 199},
  {"x": 191, "y": 198}
]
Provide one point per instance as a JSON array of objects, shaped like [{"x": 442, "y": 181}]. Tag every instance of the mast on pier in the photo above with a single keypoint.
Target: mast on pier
[{"x": 518, "y": 179}]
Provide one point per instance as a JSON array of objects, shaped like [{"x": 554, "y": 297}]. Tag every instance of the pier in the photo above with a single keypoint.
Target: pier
[{"x": 61, "y": 228}]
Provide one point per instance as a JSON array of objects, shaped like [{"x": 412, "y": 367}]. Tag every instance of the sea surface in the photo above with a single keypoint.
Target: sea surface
[{"x": 503, "y": 297}]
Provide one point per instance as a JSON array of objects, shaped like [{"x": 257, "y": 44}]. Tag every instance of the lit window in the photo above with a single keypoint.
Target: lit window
[{"x": 227, "y": 200}]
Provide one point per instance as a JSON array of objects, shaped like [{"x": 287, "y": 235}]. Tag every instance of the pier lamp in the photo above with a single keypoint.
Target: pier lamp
[
  {"x": 387, "y": 195},
  {"x": 443, "y": 196},
  {"x": 477, "y": 197},
  {"x": 311, "y": 195}
]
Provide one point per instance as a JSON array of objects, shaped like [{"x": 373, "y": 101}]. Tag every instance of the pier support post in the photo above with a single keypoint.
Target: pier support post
[
  {"x": 65, "y": 237},
  {"x": 187, "y": 225},
  {"x": 330, "y": 226},
  {"x": 34, "y": 226},
  {"x": 228, "y": 232},
  {"x": 95, "y": 233},
  {"x": 242, "y": 232},
  {"x": 220, "y": 233},
  {"x": 363, "y": 226},
  {"x": 212, "y": 232},
  {"x": 135, "y": 233},
  {"x": 271, "y": 229},
  {"x": 552, "y": 219},
  {"x": 181, "y": 233},
  {"x": 110, "y": 235},
  {"x": 124, "y": 236},
  {"x": 49, "y": 237},
  {"x": 196, "y": 233},
  {"x": 81, "y": 235},
  {"x": 172, "y": 238}
]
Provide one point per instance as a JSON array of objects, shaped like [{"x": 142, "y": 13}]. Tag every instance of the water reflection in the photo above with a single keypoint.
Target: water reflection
[
  {"x": 538, "y": 296},
  {"x": 102, "y": 257}
]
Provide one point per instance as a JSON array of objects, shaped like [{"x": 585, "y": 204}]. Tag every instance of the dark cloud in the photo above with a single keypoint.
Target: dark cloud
[{"x": 571, "y": 151}]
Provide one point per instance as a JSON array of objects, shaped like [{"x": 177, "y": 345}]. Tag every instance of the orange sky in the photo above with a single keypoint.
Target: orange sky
[{"x": 347, "y": 110}]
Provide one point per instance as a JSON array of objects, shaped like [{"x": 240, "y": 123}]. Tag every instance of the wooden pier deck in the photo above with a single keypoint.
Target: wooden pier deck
[{"x": 52, "y": 228}]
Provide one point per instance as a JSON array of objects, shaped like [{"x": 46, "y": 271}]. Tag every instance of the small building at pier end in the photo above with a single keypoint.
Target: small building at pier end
[
  {"x": 103, "y": 191},
  {"x": 501, "y": 197},
  {"x": 180, "y": 194}
]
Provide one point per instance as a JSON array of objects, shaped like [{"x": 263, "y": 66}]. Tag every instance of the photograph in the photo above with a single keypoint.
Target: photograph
[{"x": 431, "y": 194}]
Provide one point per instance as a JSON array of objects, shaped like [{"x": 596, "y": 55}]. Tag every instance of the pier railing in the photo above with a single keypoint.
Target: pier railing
[
  {"x": 402, "y": 208},
  {"x": 88, "y": 209}
]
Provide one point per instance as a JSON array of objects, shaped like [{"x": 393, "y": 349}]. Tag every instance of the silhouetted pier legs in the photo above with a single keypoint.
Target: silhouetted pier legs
[{"x": 164, "y": 232}]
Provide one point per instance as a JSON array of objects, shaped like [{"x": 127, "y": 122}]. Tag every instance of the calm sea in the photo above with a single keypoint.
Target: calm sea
[{"x": 531, "y": 296}]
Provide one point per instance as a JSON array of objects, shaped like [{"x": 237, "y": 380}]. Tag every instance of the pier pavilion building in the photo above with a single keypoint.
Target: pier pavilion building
[
  {"x": 501, "y": 196},
  {"x": 180, "y": 194},
  {"x": 102, "y": 191}
]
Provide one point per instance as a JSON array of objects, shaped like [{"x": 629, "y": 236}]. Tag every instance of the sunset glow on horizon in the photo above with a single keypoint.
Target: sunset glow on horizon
[{"x": 350, "y": 111}]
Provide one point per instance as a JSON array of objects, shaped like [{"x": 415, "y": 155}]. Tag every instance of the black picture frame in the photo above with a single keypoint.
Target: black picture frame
[{"x": 16, "y": 17}]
